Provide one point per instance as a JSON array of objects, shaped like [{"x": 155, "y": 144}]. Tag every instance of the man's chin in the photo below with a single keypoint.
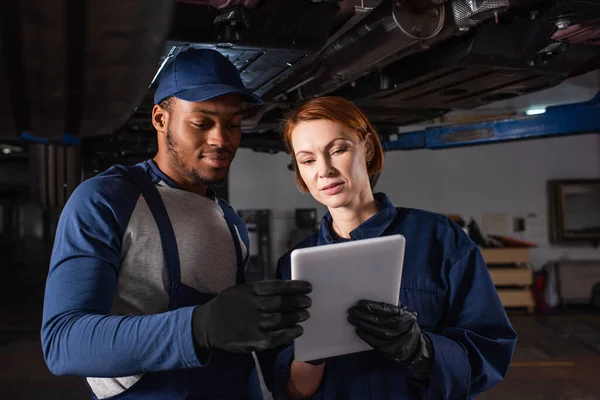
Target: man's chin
[{"x": 214, "y": 181}]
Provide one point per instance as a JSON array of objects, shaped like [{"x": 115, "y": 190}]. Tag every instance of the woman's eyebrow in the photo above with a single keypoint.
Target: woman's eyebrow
[{"x": 331, "y": 143}]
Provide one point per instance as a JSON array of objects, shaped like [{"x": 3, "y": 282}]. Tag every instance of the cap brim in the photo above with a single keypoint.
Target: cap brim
[{"x": 207, "y": 92}]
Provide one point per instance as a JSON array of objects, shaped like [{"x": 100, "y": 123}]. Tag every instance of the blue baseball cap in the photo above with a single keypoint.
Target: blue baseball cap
[{"x": 199, "y": 75}]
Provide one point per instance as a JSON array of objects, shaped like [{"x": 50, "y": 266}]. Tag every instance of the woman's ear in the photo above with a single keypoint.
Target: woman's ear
[{"x": 369, "y": 147}]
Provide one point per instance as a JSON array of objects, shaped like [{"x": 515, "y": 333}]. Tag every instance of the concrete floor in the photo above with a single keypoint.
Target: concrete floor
[{"x": 557, "y": 357}]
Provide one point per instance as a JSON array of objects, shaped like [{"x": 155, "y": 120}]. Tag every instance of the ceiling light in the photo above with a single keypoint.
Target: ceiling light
[
  {"x": 535, "y": 111},
  {"x": 9, "y": 149}
]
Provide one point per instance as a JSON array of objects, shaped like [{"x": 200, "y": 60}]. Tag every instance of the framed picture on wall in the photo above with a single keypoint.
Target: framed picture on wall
[{"x": 574, "y": 210}]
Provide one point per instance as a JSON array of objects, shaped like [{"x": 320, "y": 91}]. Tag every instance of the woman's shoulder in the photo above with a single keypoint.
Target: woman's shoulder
[
  {"x": 433, "y": 228},
  {"x": 283, "y": 264},
  {"x": 440, "y": 221},
  {"x": 408, "y": 217},
  {"x": 309, "y": 241}
]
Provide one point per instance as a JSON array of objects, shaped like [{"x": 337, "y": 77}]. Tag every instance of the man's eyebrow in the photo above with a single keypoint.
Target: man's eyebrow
[{"x": 201, "y": 110}]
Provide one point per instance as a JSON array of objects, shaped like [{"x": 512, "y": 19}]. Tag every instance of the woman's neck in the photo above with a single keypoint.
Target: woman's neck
[{"x": 347, "y": 218}]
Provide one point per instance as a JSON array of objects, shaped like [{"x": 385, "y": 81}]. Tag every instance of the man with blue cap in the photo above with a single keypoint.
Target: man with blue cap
[{"x": 145, "y": 297}]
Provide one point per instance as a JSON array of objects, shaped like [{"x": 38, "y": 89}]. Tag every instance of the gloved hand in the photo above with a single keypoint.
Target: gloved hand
[
  {"x": 252, "y": 317},
  {"x": 393, "y": 331}
]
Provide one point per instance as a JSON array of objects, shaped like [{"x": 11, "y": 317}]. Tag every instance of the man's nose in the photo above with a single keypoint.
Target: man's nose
[{"x": 218, "y": 137}]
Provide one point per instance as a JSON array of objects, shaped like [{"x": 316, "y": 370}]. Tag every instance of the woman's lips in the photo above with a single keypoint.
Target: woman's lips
[{"x": 333, "y": 188}]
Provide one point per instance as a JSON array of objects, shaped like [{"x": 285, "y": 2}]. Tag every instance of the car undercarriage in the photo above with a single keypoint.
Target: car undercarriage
[{"x": 402, "y": 61}]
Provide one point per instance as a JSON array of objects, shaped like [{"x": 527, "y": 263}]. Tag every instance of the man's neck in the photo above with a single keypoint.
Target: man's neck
[
  {"x": 347, "y": 218},
  {"x": 177, "y": 177}
]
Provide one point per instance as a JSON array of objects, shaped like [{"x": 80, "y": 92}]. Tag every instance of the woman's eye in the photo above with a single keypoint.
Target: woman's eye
[
  {"x": 338, "y": 151},
  {"x": 306, "y": 162}
]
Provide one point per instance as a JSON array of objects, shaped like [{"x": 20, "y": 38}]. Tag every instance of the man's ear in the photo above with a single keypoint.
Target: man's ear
[{"x": 160, "y": 118}]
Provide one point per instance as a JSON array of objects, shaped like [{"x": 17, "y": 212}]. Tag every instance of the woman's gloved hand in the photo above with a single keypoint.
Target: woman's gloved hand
[
  {"x": 252, "y": 317},
  {"x": 394, "y": 332}
]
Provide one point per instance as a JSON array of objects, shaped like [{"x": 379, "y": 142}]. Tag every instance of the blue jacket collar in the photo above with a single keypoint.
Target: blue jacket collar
[
  {"x": 371, "y": 228},
  {"x": 158, "y": 175}
]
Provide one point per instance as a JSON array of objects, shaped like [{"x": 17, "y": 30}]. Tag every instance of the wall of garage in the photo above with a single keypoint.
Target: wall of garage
[{"x": 472, "y": 181}]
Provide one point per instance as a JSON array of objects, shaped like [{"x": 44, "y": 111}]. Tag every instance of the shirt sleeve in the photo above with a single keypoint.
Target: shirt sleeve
[
  {"x": 79, "y": 336},
  {"x": 474, "y": 349}
]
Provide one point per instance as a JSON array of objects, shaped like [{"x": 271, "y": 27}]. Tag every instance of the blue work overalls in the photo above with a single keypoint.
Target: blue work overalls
[
  {"x": 224, "y": 375},
  {"x": 446, "y": 281}
]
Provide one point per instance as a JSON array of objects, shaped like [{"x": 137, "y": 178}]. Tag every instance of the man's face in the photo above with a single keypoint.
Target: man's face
[{"x": 201, "y": 138}]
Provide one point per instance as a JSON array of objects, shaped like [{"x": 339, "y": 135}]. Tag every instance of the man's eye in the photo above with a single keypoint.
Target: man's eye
[
  {"x": 234, "y": 126},
  {"x": 197, "y": 125}
]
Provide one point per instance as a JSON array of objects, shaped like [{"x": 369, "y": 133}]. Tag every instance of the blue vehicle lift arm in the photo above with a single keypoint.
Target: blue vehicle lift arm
[{"x": 569, "y": 119}]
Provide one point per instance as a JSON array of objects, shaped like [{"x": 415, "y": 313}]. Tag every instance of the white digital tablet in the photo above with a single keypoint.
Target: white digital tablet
[{"x": 341, "y": 274}]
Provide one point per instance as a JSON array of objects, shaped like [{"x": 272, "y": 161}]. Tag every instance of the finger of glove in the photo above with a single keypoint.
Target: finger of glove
[
  {"x": 247, "y": 347},
  {"x": 379, "y": 308},
  {"x": 380, "y": 332},
  {"x": 364, "y": 315},
  {"x": 281, "y": 287},
  {"x": 408, "y": 317},
  {"x": 285, "y": 336},
  {"x": 371, "y": 340},
  {"x": 276, "y": 321},
  {"x": 271, "y": 304},
  {"x": 397, "y": 351}
]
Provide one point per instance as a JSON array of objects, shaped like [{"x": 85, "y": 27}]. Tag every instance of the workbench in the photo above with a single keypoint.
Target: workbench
[{"x": 509, "y": 268}]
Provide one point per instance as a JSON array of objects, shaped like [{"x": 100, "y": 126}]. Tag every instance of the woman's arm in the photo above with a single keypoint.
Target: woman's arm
[
  {"x": 304, "y": 380},
  {"x": 474, "y": 349}
]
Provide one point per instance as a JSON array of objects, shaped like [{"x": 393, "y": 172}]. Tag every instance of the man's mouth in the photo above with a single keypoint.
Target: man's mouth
[
  {"x": 216, "y": 160},
  {"x": 216, "y": 156}
]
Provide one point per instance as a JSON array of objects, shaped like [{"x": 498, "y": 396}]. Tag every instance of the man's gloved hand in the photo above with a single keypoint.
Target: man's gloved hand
[
  {"x": 393, "y": 331},
  {"x": 253, "y": 316}
]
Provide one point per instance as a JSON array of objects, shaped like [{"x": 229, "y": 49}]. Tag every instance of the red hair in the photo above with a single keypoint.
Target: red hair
[{"x": 336, "y": 109}]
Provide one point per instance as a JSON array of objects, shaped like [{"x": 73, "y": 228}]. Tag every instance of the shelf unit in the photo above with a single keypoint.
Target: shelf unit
[{"x": 511, "y": 275}]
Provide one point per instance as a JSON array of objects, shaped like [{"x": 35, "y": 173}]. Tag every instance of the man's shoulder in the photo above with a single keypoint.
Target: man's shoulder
[{"x": 110, "y": 191}]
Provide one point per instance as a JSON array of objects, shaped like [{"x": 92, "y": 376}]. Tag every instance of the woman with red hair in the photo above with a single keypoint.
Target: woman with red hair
[{"x": 450, "y": 338}]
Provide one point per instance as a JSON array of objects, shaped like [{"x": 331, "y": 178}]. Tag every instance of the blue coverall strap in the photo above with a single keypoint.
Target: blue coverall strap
[{"x": 143, "y": 181}]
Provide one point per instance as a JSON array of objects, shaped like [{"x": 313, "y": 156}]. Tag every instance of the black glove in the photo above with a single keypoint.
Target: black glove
[
  {"x": 252, "y": 317},
  {"x": 393, "y": 331}
]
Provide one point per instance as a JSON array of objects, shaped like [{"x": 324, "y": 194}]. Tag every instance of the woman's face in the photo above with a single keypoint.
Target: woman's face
[{"x": 332, "y": 162}]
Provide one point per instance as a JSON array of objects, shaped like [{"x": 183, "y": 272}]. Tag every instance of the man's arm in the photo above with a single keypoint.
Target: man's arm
[
  {"x": 78, "y": 335},
  {"x": 80, "y": 338}
]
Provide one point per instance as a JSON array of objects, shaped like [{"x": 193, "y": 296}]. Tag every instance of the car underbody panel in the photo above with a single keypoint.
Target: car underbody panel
[{"x": 402, "y": 61}]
